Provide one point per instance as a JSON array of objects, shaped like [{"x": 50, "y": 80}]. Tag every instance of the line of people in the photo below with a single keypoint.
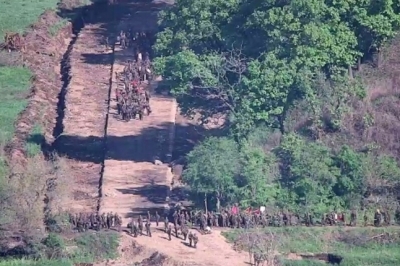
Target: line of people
[
  {"x": 85, "y": 221},
  {"x": 248, "y": 219},
  {"x": 132, "y": 93}
]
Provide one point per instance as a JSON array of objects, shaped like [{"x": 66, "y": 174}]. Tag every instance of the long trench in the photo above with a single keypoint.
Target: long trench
[
  {"x": 111, "y": 160},
  {"x": 83, "y": 106}
]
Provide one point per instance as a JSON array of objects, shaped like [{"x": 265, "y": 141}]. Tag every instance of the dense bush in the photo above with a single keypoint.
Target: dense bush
[{"x": 281, "y": 74}]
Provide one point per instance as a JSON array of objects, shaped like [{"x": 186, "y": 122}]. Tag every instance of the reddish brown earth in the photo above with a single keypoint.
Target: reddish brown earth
[{"x": 85, "y": 117}]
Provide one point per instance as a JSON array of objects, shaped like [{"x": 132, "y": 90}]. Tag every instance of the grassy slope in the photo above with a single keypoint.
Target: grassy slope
[
  {"x": 17, "y": 15},
  {"x": 14, "y": 86},
  {"x": 357, "y": 246},
  {"x": 90, "y": 247}
]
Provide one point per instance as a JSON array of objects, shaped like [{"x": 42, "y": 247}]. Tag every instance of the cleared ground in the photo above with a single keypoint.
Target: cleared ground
[
  {"x": 82, "y": 139},
  {"x": 132, "y": 183}
]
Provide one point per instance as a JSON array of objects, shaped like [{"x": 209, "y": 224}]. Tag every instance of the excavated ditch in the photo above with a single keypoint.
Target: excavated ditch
[
  {"x": 65, "y": 71},
  {"x": 106, "y": 128},
  {"x": 65, "y": 143}
]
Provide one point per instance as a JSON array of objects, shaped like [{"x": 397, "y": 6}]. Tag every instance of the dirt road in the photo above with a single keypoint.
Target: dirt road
[
  {"x": 82, "y": 139},
  {"x": 132, "y": 183},
  {"x": 119, "y": 156}
]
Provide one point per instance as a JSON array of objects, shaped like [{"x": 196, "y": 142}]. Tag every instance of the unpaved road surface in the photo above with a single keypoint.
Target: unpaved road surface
[
  {"x": 212, "y": 250},
  {"x": 85, "y": 116},
  {"x": 129, "y": 181},
  {"x": 132, "y": 184}
]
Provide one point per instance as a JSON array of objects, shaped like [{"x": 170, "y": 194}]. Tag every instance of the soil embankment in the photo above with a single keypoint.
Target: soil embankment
[
  {"x": 83, "y": 113},
  {"x": 42, "y": 55}
]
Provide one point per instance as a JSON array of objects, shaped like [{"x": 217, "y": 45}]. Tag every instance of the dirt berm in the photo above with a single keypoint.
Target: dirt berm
[{"x": 43, "y": 55}]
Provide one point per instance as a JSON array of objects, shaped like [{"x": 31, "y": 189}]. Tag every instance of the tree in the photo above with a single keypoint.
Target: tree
[
  {"x": 373, "y": 22},
  {"x": 212, "y": 168},
  {"x": 258, "y": 179},
  {"x": 207, "y": 84},
  {"x": 250, "y": 60},
  {"x": 197, "y": 26},
  {"x": 264, "y": 64},
  {"x": 261, "y": 246},
  {"x": 308, "y": 172},
  {"x": 351, "y": 183}
]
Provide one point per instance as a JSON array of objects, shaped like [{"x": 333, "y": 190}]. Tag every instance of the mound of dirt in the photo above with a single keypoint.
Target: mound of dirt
[
  {"x": 134, "y": 249},
  {"x": 156, "y": 258},
  {"x": 42, "y": 54}
]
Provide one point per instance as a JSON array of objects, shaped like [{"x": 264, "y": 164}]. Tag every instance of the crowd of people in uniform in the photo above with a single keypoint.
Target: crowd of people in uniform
[
  {"x": 181, "y": 227},
  {"x": 132, "y": 93},
  {"x": 252, "y": 218},
  {"x": 182, "y": 223},
  {"x": 85, "y": 221}
]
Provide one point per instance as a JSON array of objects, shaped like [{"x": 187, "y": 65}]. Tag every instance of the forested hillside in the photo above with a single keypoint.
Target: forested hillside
[{"x": 308, "y": 94}]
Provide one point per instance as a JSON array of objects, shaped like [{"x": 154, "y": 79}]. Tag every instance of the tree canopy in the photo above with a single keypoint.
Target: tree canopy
[
  {"x": 256, "y": 63},
  {"x": 252, "y": 60}
]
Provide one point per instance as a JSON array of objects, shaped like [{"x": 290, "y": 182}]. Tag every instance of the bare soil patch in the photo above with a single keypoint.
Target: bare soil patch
[
  {"x": 84, "y": 115},
  {"x": 132, "y": 184}
]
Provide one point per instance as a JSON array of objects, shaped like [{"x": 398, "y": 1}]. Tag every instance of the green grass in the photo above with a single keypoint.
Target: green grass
[
  {"x": 55, "y": 28},
  {"x": 96, "y": 246},
  {"x": 43, "y": 262},
  {"x": 17, "y": 15},
  {"x": 90, "y": 247},
  {"x": 33, "y": 145},
  {"x": 14, "y": 87},
  {"x": 357, "y": 246}
]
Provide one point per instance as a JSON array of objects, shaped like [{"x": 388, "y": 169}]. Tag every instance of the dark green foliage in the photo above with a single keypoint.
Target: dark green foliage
[
  {"x": 212, "y": 168},
  {"x": 54, "y": 241},
  {"x": 279, "y": 65},
  {"x": 295, "y": 174},
  {"x": 55, "y": 246},
  {"x": 253, "y": 60}
]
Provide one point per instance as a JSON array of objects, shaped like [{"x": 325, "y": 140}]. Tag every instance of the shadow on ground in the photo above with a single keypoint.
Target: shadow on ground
[
  {"x": 138, "y": 148},
  {"x": 137, "y": 15},
  {"x": 155, "y": 194}
]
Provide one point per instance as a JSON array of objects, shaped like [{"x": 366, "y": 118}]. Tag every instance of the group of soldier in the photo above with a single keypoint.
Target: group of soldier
[
  {"x": 249, "y": 219},
  {"x": 132, "y": 93},
  {"x": 181, "y": 228},
  {"x": 85, "y": 221},
  {"x": 181, "y": 222}
]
